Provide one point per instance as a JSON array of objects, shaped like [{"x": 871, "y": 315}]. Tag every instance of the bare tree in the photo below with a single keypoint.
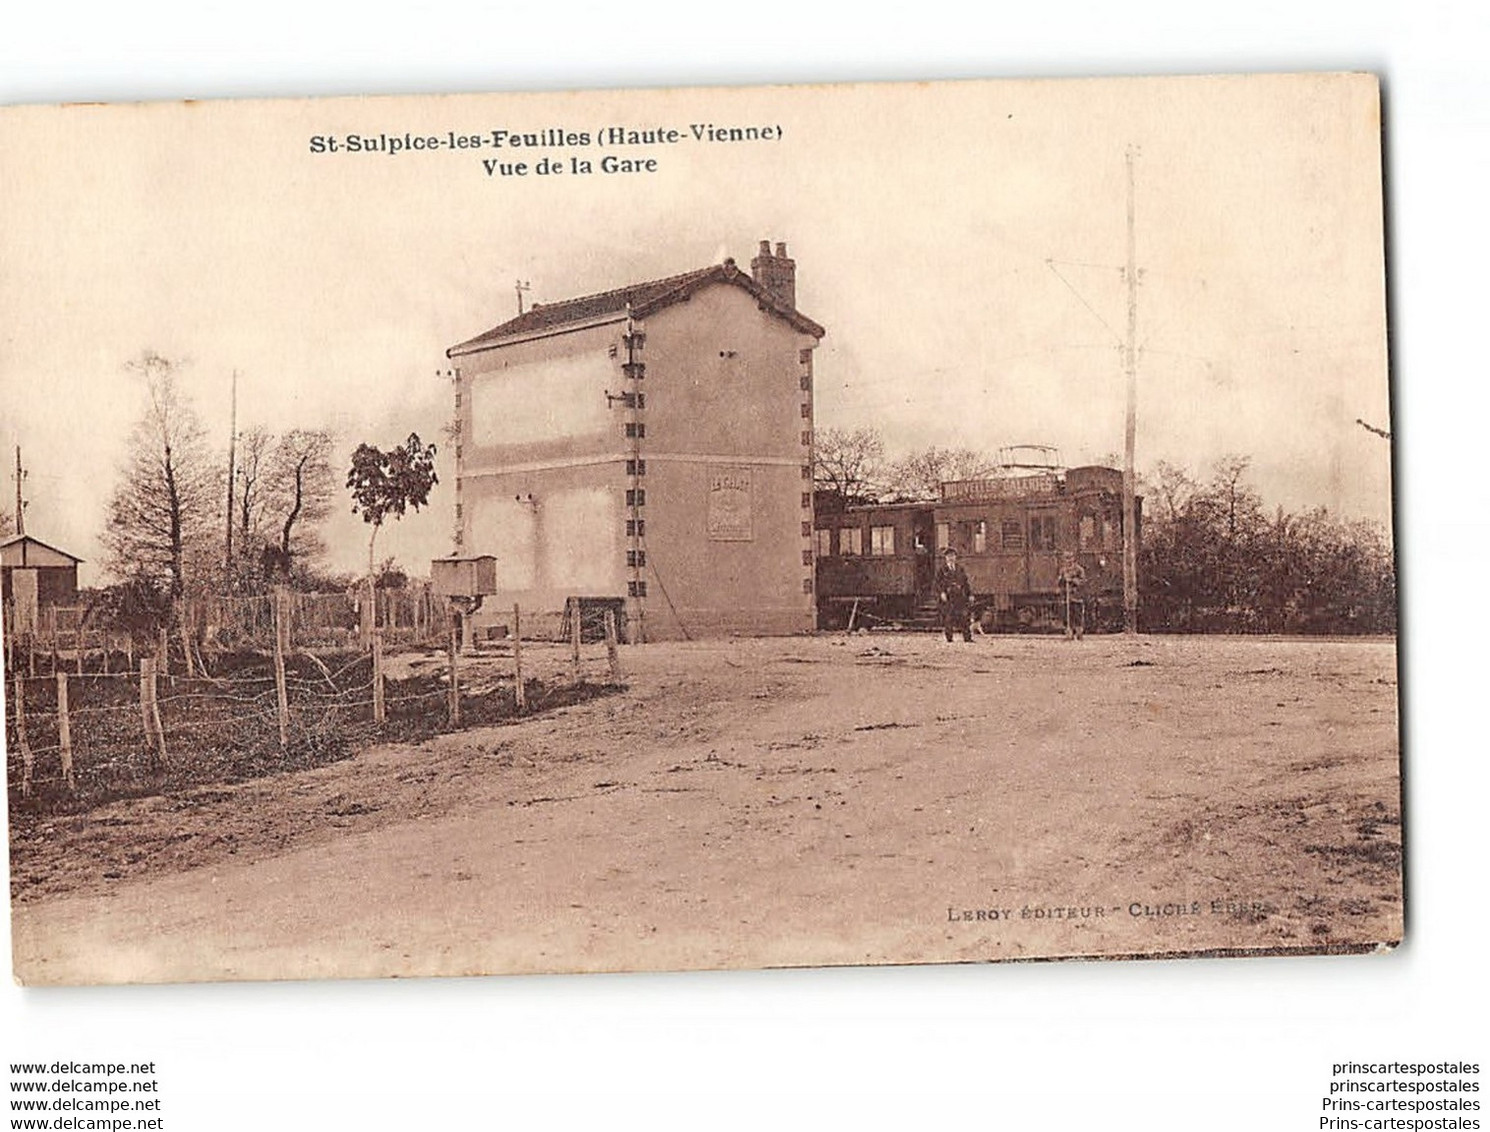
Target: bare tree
[
  {"x": 161, "y": 523},
  {"x": 921, "y": 474},
  {"x": 7, "y": 523},
  {"x": 849, "y": 465},
  {"x": 301, "y": 485}
]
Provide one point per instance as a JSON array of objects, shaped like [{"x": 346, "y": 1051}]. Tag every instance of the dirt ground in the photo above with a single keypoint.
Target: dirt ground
[{"x": 884, "y": 798}]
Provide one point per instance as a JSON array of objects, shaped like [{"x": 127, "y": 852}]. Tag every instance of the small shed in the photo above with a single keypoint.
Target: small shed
[{"x": 34, "y": 576}]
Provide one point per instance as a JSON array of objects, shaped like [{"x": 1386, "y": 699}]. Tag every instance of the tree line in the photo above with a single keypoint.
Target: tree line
[
  {"x": 186, "y": 518},
  {"x": 1212, "y": 556}
]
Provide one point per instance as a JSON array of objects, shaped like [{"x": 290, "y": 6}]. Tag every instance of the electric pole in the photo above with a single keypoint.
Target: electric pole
[
  {"x": 521, "y": 287},
  {"x": 20, "y": 499},
  {"x": 232, "y": 454},
  {"x": 1130, "y": 426}
]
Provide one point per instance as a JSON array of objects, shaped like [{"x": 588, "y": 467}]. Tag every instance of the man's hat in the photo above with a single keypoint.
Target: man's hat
[{"x": 950, "y": 552}]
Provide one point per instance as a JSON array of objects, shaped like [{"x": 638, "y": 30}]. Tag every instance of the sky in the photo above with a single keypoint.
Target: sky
[{"x": 962, "y": 243}]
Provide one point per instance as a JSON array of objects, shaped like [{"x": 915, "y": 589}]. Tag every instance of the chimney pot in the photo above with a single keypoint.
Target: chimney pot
[
  {"x": 765, "y": 247},
  {"x": 776, "y": 273},
  {"x": 781, "y": 251}
]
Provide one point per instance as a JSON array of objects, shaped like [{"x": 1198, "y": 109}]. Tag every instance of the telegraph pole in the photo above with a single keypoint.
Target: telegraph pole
[
  {"x": 521, "y": 287},
  {"x": 232, "y": 454},
  {"x": 1130, "y": 425},
  {"x": 20, "y": 500}
]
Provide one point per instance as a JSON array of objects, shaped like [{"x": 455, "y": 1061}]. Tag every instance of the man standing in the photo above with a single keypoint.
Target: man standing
[
  {"x": 1072, "y": 579},
  {"x": 954, "y": 591}
]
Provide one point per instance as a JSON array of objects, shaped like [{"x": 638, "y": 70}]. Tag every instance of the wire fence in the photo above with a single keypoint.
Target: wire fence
[{"x": 170, "y": 720}]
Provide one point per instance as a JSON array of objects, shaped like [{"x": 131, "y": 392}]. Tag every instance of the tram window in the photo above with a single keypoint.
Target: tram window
[
  {"x": 1042, "y": 532},
  {"x": 824, "y": 542},
  {"x": 850, "y": 540},
  {"x": 1110, "y": 536},
  {"x": 980, "y": 536},
  {"x": 943, "y": 536},
  {"x": 1013, "y": 534},
  {"x": 882, "y": 541},
  {"x": 1088, "y": 532}
]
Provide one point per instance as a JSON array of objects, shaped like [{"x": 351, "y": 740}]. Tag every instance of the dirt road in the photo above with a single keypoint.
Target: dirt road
[{"x": 827, "y": 800}]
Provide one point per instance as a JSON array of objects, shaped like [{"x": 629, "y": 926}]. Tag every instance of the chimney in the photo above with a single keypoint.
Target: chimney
[{"x": 776, "y": 273}]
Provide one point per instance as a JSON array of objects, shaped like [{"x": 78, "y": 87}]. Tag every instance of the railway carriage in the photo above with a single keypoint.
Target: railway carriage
[{"x": 876, "y": 563}]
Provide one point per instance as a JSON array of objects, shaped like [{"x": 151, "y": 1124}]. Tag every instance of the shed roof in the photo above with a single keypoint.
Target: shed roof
[
  {"x": 13, "y": 551},
  {"x": 642, "y": 299}
]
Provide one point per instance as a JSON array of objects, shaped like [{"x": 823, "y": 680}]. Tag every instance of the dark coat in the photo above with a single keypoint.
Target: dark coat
[{"x": 953, "y": 582}]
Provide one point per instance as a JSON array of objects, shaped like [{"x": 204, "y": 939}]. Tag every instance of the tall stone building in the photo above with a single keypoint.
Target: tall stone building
[{"x": 648, "y": 447}]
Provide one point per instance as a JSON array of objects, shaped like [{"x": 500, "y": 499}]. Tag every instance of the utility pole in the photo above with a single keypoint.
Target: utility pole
[
  {"x": 232, "y": 455},
  {"x": 521, "y": 287},
  {"x": 20, "y": 499},
  {"x": 1130, "y": 425}
]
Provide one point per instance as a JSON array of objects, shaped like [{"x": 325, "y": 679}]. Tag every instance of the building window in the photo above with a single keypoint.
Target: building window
[
  {"x": 824, "y": 537},
  {"x": 850, "y": 540},
  {"x": 806, "y": 499},
  {"x": 1012, "y": 534},
  {"x": 805, "y": 357},
  {"x": 636, "y": 467},
  {"x": 806, "y": 382},
  {"x": 806, "y": 471},
  {"x": 807, "y": 558},
  {"x": 636, "y": 497},
  {"x": 806, "y": 585},
  {"x": 635, "y": 558},
  {"x": 636, "y": 430},
  {"x": 980, "y": 537},
  {"x": 636, "y": 528},
  {"x": 634, "y": 400},
  {"x": 636, "y": 589},
  {"x": 806, "y": 410},
  {"x": 882, "y": 541},
  {"x": 806, "y": 530},
  {"x": 943, "y": 536},
  {"x": 807, "y": 437}
]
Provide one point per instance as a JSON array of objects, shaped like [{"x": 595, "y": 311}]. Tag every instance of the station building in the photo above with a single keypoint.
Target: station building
[{"x": 649, "y": 448}]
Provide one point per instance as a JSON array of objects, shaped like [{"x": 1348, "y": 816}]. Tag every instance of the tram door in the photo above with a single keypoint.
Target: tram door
[{"x": 923, "y": 541}]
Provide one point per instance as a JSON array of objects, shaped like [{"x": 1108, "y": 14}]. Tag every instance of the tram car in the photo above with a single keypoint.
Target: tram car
[{"x": 876, "y": 563}]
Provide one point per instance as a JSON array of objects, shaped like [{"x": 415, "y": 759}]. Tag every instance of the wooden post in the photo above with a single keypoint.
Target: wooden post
[
  {"x": 80, "y": 641},
  {"x": 52, "y": 620},
  {"x": 281, "y": 691},
  {"x": 157, "y": 726},
  {"x": 183, "y": 615},
  {"x": 147, "y": 677},
  {"x": 453, "y": 649},
  {"x": 576, "y": 629},
  {"x": 64, "y": 732},
  {"x": 163, "y": 655},
  {"x": 379, "y": 705},
  {"x": 611, "y": 651},
  {"x": 28, "y": 761},
  {"x": 520, "y": 694}
]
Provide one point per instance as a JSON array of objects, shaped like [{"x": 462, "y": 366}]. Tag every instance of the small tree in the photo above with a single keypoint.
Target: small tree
[
  {"x": 921, "y": 474},
  {"x": 301, "y": 484},
  {"x": 389, "y": 483}
]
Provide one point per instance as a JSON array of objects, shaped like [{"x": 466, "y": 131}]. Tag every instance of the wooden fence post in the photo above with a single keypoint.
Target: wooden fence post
[
  {"x": 155, "y": 732},
  {"x": 281, "y": 691},
  {"x": 64, "y": 732},
  {"x": 379, "y": 705},
  {"x": 183, "y": 616},
  {"x": 163, "y": 655},
  {"x": 453, "y": 652},
  {"x": 520, "y": 694},
  {"x": 612, "y": 653},
  {"x": 576, "y": 630},
  {"x": 28, "y": 761}
]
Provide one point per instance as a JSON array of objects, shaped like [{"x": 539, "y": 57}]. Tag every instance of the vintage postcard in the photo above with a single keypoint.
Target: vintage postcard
[{"x": 698, "y": 528}]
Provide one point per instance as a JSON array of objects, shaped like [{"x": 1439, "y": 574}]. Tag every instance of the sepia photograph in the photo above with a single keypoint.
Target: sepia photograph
[{"x": 704, "y": 528}]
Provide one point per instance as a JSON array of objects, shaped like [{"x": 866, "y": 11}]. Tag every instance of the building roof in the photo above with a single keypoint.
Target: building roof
[
  {"x": 16, "y": 540},
  {"x": 642, "y": 299}
]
